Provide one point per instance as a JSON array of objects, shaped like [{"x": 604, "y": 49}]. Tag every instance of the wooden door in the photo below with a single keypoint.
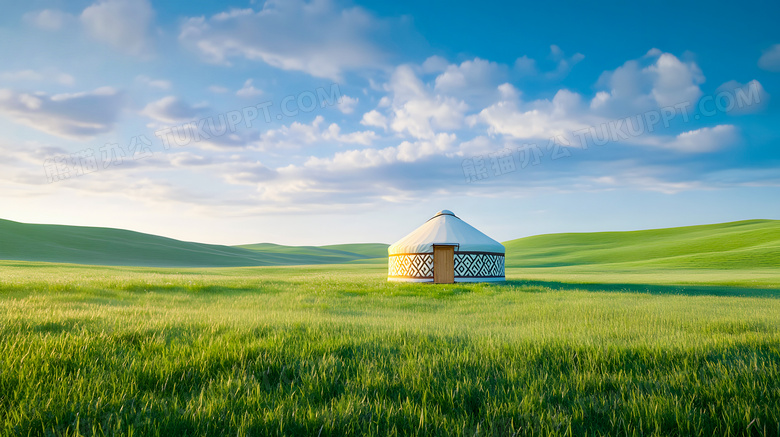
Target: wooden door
[{"x": 443, "y": 264}]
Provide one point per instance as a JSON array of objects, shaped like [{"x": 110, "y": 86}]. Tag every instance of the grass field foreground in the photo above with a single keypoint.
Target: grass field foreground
[{"x": 336, "y": 350}]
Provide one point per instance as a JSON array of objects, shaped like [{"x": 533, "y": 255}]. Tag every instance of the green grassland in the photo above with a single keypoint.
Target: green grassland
[
  {"x": 737, "y": 245},
  {"x": 106, "y": 246},
  {"x": 333, "y": 254},
  {"x": 603, "y": 335}
]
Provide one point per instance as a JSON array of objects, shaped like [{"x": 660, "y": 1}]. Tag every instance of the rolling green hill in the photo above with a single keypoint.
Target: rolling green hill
[
  {"x": 333, "y": 254},
  {"x": 735, "y": 245},
  {"x": 106, "y": 246}
]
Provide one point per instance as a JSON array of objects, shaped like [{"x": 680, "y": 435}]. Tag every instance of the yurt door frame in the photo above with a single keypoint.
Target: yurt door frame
[{"x": 444, "y": 263}]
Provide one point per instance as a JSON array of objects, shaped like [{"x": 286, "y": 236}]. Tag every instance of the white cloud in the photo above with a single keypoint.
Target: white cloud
[
  {"x": 48, "y": 19},
  {"x": 236, "y": 140},
  {"x": 526, "y": 66},
  {"x": 706, "y": 139},
  {"x": 374, "y": 118},
  {"x": 124, "y": 24},
  {"x": 362, "y": 176},
  {"x": 248, "y": 90},
  {"x": 540, "y": 119},
  {"x": 360, "y": 137},
  {"x": 171, "y": 109},
  {"x": 474, "y": 79},
  {"x": 770, "y": 59},
  {"x": 417, "y": 111},
  {"x": 38, "y": 76},
  {"x": 434, "y": 64},
  {"x": 77, "y": 115},
  {"x": 292, "y": 136},
  {"x": 564, "y": 64},
  {"x": 316, "y": 37},
  {"x": 298, "y": 134},
  {"x": 647, "y": 179},
  {"x": 407, "y": 151},
  {"x": 667, "y": 81},
  {"x": 347, "y": 104},
  {"x": 482, "y": 145},
  {"x": 248, "y": 173},
  {"x": 745, "y": 98},
  {"x": 675, "y": 81}
]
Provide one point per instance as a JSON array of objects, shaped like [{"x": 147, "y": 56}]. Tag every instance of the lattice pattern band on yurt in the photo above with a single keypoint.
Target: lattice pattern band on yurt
[
  {"x": 467, "y": 265},
  {"x": 479, "y": 265},
  {"x": 411, "y": 265}
]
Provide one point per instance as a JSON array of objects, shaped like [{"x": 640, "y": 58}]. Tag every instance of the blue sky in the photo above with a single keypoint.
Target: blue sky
[{"x": 328, "y": 122}]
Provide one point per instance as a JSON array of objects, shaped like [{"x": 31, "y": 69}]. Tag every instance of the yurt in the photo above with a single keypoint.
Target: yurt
[{"x": 445, "y": 250}]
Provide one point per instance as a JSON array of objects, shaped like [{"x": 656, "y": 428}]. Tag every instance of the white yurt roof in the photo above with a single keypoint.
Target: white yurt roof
[{"x": 446, "y": 228}]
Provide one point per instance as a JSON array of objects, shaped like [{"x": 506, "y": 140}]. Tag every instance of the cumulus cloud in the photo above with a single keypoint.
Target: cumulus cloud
[
  {"x": 470, "y": 73},
  {"x": 171, "y": 109},
  {"x": 123, "y": 24},
  {"x": 361, "y": 176},
  {"x": 475, "y": 80},
  {"x": 248, "y": 90},
  {"x": 347, "y": 104},
  {"x": 539, "y": 119},
  {"x": 77, "y": 115},
  {"x": 407, "y": 151},
  {"x": 416, "y": 110},
  {"x": 770, "y": 59},
  {"x": 374, "y": 118},
  {"x": 674, "y": 81},
  {"x": 421, "y": 110},
  {"x": 315, "y": 37},
  {"x": 333, "y": 133},
  {"x": 632, "y": 87},
  {"x": 298, "y": 134}
]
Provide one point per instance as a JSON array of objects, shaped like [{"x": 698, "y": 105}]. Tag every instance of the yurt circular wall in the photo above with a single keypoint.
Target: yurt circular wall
[{"x": 477, "y": 257}]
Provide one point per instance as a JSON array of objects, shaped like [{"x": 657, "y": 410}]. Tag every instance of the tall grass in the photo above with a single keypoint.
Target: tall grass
[{"x": 336, "y": 350}]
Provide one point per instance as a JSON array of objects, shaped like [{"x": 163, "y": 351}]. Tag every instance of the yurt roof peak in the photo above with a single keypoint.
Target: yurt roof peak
[{"x": 445, "y": 228}]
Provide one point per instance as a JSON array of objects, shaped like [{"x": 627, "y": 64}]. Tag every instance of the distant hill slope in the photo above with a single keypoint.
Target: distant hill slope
[
  {"x": 106, "y": 246},
  {"x": 338, "y": 253},
  {"x": 736, "y": 245},
  {"x": 745, "y": 244}
]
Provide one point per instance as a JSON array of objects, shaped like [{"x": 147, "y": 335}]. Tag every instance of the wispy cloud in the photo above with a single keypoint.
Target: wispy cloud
[
  {"x": 123, "y": 24},
  {"x": 49, "y": 19},
  {"x": 76, "y": 115},
  {"x": 770, "y": 59},
  {"x": 317, "y": 38},
  {"x": 172, "y": 109},
  {"x": 45, "y": 75}
]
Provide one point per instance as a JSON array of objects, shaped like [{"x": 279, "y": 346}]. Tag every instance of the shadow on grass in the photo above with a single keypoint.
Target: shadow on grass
[{"x": 681, "y": 290}]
